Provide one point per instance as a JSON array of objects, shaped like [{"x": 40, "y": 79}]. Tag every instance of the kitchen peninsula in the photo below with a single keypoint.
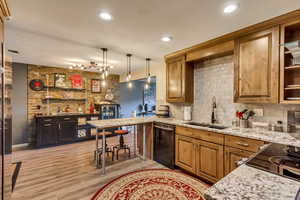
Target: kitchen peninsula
[{"x": 263, "y": 185}]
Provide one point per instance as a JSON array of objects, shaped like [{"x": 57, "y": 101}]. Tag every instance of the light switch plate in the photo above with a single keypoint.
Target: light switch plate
[{"x": 259, "y": 112}]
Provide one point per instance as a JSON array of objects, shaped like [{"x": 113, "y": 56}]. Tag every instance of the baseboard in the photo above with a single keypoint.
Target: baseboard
[{"x": 17, "y": 147}]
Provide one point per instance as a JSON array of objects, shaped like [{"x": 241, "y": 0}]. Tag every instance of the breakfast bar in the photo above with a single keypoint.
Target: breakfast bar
[{"x": 115, "y": 123}]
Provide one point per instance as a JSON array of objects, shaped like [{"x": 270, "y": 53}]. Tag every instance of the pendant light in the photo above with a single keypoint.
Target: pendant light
[
  {"x": 129, "y": 70},
  {"x": 148, "y": 73},
  {"x": 104, "y": 67}
]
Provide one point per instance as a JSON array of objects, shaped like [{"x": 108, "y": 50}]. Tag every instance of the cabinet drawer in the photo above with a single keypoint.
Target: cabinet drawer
[
  {"x": 243, "y": 143},
  {"x": 200, "y": 134}
]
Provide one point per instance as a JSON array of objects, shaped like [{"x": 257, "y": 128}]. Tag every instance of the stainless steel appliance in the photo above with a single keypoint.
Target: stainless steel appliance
[
  {"x": 164, "y": 144},
  {"x": 279, "y": 159}
]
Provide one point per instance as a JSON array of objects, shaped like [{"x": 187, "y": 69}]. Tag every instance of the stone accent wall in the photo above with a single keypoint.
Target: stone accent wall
[
  {"x": 215, "y": 78},
  {"x": 35, "y": 97}
]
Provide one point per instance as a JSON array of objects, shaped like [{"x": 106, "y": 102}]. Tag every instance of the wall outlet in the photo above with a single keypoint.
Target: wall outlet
[{"x": 259, "y": 112}]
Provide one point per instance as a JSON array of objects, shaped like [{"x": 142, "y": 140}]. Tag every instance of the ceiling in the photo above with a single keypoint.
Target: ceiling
[{"x": 66, "y": 32}]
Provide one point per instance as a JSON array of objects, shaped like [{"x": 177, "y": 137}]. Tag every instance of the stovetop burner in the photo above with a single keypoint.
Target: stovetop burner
[{"x": 279, "y": 159}]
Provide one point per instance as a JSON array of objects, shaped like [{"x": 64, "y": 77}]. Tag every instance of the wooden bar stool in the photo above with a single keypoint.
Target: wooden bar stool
[
  {"x": 121, "y": 144},
  {"x": 108, "y": 150}
]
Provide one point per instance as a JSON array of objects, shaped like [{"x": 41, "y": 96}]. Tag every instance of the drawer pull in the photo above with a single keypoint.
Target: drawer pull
[
  {"x": 240, "y": 162},
  {"x": 47, "y": 120},
  {"x": 242, "y": 144},
  {"x": 67, "y": 118},
  {"x": 47, "y": 124}
]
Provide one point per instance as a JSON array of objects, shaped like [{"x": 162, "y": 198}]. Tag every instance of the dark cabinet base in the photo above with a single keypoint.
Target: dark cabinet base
[{"x": 56, "y": 130}]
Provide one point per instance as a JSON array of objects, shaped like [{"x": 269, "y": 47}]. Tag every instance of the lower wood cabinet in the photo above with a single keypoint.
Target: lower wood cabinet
[
  {"x": 232, "y": 158},
  {"x": 210, "y": 155},
  {"x": 202, "y": 158},
  {"x": 185, "y": 154},
  {"x": 209, "y": 160}
]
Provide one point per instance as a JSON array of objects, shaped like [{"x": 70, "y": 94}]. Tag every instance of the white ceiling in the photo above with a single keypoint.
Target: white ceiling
[{"x": 65, "y": 32}]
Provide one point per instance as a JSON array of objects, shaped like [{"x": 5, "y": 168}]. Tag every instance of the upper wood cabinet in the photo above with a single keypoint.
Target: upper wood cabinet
[
  {"x": 180, "y": 80},
  {"x": 256, "y": 70}
]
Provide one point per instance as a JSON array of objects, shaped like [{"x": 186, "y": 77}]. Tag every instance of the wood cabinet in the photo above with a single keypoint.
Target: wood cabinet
[
  {"x": 290, "y": 63},
  {"x": 48, "y": 134},
  {"x": 67, "y": 131},
  {"x": 211, "y": 155},
  {"x": 180, "y": 80},
  {"x": 185, "y": 153},
  {"x": 256, "y": 68},
  {"x": 203, "y": 158},
  {"x": 209, "y": 160},
  {"x": 232, "y": 158}
]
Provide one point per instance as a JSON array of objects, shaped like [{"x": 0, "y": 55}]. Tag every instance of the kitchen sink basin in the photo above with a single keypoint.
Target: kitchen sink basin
[{"x": 219, "y": 127}]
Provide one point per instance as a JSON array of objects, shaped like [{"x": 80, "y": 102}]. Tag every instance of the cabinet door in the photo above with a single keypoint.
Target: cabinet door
[
  {"x": 209, "y": 158},
  {"x": 47, "y": 134},
  {"x": 175, "y": 79},
  {"x": 185, "y": 153},
  {"x": 67, "y": 131},
  {"x": 257, "y": 67},
  {"x": 233, "y": 156}
]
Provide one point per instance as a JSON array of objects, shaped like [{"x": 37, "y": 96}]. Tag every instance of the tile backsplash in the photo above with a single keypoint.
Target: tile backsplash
[{"x": 215, "y": 78}]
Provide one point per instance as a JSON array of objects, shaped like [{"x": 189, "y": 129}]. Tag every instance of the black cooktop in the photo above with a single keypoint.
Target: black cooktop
[{"x": 279, "y": 159}]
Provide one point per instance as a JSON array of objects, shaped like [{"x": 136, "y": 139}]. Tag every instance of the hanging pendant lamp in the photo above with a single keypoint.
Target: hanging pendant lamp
[
  {"x": 105, "y": 69},
  {"x": 148, "y": 73},
  {"x": 129, "y": 70}
]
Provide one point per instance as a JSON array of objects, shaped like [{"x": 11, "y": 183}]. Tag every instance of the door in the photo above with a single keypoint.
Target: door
[
  {"x": 67, "y": 131},
  {"x": 164, "y": 143},
  {"x": 257, "y": 67},
  {"x": 47, "y": 134},
  {"x": 175, "y": 79},
  {"x": 232, "y": 158},
  {"x": 209, "y": 160},
  {"x": 185, "y": 153}
]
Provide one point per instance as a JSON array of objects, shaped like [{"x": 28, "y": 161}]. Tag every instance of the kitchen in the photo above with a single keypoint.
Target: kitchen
[{"x": 226, "y": 122}]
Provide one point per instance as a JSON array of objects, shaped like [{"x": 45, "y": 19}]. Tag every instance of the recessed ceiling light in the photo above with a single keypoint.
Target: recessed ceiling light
[
  {"x": 105, "y": 16},
  {"x": 230, "y": 8},
  {"x": 166, "y": 38}
]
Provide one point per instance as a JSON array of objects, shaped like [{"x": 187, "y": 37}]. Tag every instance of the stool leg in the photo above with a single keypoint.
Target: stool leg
[{"x": 121, "y": 141}]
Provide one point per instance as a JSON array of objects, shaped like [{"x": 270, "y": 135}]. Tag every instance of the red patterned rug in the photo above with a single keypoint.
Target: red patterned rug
[{"x": 152, "y": 184}]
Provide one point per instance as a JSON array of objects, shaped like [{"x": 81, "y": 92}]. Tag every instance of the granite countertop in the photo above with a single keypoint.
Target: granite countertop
[
  {"x": 268, "y": 136},
  {"x": 66, "y": 114},
  {"x": 247, "y": 182}
]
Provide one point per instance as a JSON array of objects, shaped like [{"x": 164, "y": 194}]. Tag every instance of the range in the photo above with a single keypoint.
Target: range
[{"x": 279, "y": 159}]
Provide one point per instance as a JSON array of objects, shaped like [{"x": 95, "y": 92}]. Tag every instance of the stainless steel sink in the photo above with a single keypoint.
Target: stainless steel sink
[{"x": 219, "y": 127}]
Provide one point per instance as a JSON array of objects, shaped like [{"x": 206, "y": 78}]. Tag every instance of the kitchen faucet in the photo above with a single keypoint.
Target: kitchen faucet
[{"x": 214, "y": 108}]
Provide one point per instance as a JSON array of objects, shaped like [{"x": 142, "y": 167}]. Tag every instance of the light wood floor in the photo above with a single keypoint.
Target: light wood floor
[{"x": 67, "y": 172}]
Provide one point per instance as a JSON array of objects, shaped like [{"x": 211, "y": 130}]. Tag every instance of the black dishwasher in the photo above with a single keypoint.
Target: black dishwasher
[{"x": 164, "y": 144}]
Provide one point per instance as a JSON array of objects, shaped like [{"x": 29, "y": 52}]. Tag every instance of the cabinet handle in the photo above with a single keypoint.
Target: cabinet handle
[
  {"x": 59, "y": 126},
  {"x": 47, "y": 124},
  {"x": 241, "y": 161},
  {"x": 47, "y": 120},
  {"x": 242, "y": 144},
  {"x": 67, "y": 118}
]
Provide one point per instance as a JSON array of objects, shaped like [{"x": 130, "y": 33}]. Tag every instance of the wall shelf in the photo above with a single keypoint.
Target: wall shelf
[
  {"x": 64, "y": 89},
  {"x": 61, "y": 100}
]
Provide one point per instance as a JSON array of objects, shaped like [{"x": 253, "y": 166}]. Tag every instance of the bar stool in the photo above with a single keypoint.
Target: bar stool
[
  {"x": 121, "y": 144},
  {"x": 108, "y": 150}
]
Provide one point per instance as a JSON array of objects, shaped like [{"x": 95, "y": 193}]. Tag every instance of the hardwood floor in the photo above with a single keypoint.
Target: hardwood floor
[{"x": 68, "y": 172}]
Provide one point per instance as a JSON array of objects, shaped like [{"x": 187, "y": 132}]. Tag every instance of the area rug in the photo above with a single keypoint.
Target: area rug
[{"x": 152, "y": 184}]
